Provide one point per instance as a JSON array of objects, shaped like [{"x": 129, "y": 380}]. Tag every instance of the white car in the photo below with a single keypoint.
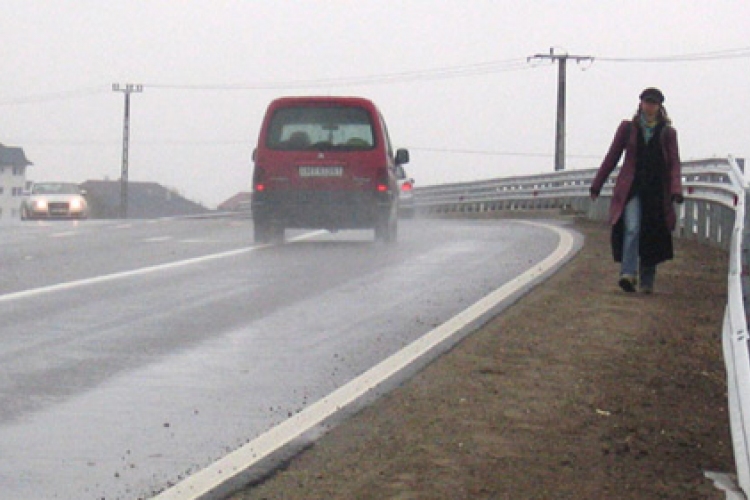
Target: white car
[
  {"x": 405, "y": 193},
  {"x": 55, "y": 200}
]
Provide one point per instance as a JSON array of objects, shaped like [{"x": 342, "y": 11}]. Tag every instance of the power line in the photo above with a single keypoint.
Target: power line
[
  {"x": 561, "y": 60},
  {"x": 701, "y": 56},
  {"x": 433, "y": 74},
  {"x": 479, "y": 152},
  {"x": 443, "y": 73},
  {"x": 483, "y": 68},
  {"x": 494, "y": 153},
  {"x": 56, "y": 96}
]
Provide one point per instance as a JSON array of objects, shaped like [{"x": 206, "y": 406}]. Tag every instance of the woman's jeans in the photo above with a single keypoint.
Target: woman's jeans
[{"x": 630, "y": 244}]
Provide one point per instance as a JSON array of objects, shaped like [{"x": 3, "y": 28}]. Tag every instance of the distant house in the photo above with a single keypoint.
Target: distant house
[
  {"x": 240, "y": 202},
  {"x": 13, "y": 163},
  {"x": 146, "y": 200}
]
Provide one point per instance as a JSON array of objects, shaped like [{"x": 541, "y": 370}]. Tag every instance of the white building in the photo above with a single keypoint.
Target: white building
[{"x": 13, "y": 165}]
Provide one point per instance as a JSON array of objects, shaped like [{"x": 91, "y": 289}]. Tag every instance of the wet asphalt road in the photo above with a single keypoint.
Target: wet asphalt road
[{"x": 133, "y": 354}]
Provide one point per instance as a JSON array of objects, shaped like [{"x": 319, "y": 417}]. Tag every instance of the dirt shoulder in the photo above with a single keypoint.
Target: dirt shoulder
[{"x": 577, "y": 391}]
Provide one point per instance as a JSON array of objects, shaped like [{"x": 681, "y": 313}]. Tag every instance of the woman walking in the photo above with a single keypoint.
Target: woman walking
[{"x": 641, "y": 212}]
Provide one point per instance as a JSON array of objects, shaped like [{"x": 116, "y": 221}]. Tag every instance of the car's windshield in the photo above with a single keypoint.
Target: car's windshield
[
  {"x": 321, "y": 128},
  {"x": 55, "y": 188}
]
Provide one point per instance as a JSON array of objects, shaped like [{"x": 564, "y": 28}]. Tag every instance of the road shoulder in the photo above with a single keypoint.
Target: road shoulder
[{"x": 576, "y": 391}]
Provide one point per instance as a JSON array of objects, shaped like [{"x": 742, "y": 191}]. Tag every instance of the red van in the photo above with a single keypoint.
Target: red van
[{"x": 324, "y": 163}]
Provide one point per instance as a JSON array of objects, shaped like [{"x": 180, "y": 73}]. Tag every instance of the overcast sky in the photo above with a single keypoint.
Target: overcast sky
[{"x": 451, "y": 78}]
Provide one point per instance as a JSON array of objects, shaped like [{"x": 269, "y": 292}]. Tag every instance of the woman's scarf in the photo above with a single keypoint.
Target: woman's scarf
[{"x": 647, "y": 127}]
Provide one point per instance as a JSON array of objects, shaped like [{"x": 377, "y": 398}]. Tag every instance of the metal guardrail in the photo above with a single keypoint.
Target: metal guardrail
[
  {"x": 714, "y": 212},
  {"x": 711, "y": 193}
]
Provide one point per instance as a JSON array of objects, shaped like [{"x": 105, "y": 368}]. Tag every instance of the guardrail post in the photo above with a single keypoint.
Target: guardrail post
[
  {"x": 726, "y": 227},
  {"x": 737, "y": 356},
  {"x": 744, "y": 260}
]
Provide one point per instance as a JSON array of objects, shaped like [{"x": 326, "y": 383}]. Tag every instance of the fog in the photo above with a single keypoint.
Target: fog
[{"x": 453, "y": 80}]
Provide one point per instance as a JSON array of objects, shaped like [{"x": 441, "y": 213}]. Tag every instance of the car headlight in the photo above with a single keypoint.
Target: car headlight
[
  {"x": 76, "y": 204},
  {"x": 40, "y": 204}
]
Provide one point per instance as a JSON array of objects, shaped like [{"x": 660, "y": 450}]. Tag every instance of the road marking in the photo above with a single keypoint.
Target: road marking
[
  {"x": 121, "y": 275},
  {"x": 211, "y": 481},
  {"x": 63, "y": 234},
  {"x": 34, "y": 292}
]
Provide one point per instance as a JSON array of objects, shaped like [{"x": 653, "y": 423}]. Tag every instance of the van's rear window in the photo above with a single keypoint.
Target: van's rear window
[{"x": 320, "y": 128}]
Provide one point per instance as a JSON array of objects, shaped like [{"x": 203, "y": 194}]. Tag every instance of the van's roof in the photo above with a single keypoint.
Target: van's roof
[{"x": 302, "y": 100}]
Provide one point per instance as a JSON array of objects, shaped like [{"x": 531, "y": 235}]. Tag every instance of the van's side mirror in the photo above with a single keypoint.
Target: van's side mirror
[
  {"x": 402, "y": 156},
  {"x": 255, "y": 153}
]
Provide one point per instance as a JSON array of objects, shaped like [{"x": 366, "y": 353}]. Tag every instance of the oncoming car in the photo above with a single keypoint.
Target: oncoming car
[{"x": 55, "y": 200}]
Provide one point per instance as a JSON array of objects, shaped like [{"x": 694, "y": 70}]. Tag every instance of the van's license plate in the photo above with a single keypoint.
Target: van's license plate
[{"x": 320, "y": 171}]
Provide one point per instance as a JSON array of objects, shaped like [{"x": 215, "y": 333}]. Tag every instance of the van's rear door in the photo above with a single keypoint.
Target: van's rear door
[{"x": 321, "y": 146}]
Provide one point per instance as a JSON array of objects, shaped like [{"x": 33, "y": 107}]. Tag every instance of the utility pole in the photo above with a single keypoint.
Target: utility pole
[
  {"x": 127, "y": 89},
  {"x": 561, "y": 59}
]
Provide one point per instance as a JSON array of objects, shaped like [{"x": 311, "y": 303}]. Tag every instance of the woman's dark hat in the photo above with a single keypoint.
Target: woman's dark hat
[{"x": 652, "y": 94}]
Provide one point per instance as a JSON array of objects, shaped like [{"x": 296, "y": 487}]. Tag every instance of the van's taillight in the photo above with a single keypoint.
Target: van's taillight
[
  {"x": 406, "y": 186},
  {"x": 382, "y": 185},
  {"x": 259, "y": 180}
]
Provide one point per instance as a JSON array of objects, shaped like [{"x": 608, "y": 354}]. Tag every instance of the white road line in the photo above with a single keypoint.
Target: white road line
[
  {"x": 24, "y": 294},
  {"x": 206, "y": 483}
]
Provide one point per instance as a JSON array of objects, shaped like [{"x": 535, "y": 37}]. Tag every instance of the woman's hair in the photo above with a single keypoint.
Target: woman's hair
[{"x": 662, "y": 115}]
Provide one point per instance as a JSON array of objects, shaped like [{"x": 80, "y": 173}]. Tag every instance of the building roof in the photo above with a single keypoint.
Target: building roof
[
  {"x": 236, "y": 202},
  {"x": 13, "y": 156}
]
